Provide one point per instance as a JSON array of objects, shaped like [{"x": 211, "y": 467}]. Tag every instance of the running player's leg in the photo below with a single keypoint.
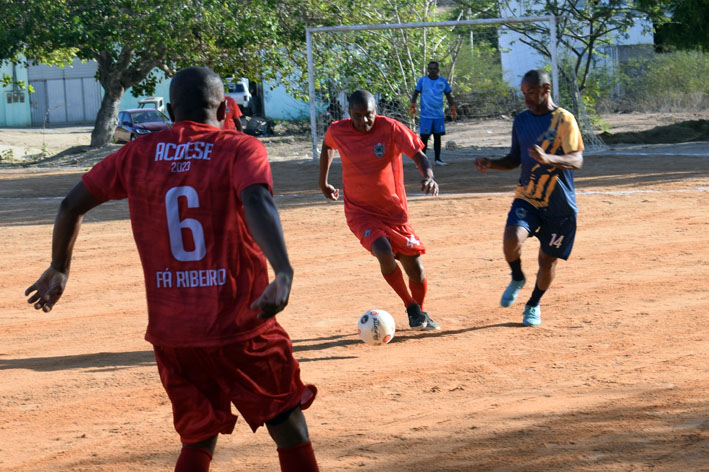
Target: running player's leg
[
  {"x": 196, "y": 457},
  {"x": 289, "y": 431},
  {"x": 381, "y": 248},
  {"x": 556, "y": 239},
  {"x": 512, "y": 243},
  {"x": 413, "y": 266}
]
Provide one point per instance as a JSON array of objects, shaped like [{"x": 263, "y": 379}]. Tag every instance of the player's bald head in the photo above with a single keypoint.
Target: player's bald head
[
  {"x": 361, "y": 97},
  {"x": 195, "y": 90},
  {"x": 537, "y": 77}
]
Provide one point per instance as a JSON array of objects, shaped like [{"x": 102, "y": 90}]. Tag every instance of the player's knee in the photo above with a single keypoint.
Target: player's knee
[{"x": 289, "y": 428}]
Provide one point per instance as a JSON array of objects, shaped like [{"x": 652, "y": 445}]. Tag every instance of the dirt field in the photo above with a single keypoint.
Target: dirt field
[{"x": 615, "y": 379}]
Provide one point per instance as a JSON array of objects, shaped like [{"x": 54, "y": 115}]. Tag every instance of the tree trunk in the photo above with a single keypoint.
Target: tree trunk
[{"x": 106, "y": 117}]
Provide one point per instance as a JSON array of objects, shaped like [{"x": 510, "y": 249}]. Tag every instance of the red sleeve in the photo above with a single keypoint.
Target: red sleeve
[
  {"x": 104, "y": 180},
  {"x": 407, "y": 140},
  {"x": 330, "y": 138},
  {"x": 251, "y": 166}
]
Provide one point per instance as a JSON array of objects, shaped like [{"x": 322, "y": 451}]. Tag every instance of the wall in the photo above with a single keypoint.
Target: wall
[{"x": 14, "y": 103}]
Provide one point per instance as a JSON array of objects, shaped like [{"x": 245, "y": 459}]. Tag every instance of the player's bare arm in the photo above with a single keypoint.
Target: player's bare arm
[
  {"x": 412, "y": 104},
  {"x": 428, "y": 185},
  {"x": 265, "y": 226},
  {"x": 451, "y": 105},
  {"x": 570, "y": 161},
  {"x": 327, "y": 154},
  {"x": 508, "y": 162},
  {"x": 48, "y": 289}
]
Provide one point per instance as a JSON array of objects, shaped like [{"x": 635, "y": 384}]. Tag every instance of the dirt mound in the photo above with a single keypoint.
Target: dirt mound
[{"x": 684, "y": 132}]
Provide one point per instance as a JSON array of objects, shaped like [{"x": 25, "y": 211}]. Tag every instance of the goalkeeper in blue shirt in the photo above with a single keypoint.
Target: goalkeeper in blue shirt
[
  {"x": 547, "y": 144},
  {"x": 432, "y": 121}
]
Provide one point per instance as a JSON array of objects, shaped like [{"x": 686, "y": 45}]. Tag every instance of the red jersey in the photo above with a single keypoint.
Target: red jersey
[
  {"x": 372, "y": 168},
  {"x": 232, "y": 113},
  {"x": 202, "y": 268}
]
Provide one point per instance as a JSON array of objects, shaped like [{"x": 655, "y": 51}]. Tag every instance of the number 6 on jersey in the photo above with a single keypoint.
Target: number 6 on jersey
[{"x": 175, "y": 225}]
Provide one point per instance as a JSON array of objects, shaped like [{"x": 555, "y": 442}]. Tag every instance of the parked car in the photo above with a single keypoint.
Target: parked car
[
  {"x": 239, "y": 91},
  {"x": 136, "y": 122}
]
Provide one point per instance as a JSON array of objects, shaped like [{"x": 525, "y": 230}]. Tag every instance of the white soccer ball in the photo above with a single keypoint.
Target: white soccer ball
[{"x": 376, "y": 327}]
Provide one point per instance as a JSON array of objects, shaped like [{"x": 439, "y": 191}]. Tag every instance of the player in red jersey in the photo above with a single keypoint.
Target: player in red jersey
[
  {"x": 370, "y": 148},
  {"x": 204, "y": 222},
  {"x": 233, "y": 113}
]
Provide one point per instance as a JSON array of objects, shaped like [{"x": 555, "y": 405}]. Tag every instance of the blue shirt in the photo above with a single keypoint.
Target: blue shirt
[
  {"x": 432, "y": 96},
  {"x": 548, "y": 188}
]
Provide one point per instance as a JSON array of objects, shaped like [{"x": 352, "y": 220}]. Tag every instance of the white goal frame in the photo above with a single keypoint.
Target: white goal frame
[{"x": 309, "y": 32}]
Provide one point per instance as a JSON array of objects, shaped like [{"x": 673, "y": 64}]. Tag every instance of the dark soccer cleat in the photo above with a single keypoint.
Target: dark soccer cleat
[
  {"x": 417, "y": 318},
  {"x": 430, "y": 324}
]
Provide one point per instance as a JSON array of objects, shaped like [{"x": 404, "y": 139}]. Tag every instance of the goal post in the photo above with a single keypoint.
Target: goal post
[{"x": 311, "y": 31}]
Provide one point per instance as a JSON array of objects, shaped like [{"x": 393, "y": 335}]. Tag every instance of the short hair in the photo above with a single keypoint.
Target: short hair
[
  {"x": 537, "y": 77},
  {"x": 196, "y": 88},
  {"x": 433, "y": 62},
  {"x": 361, "y": 97}
]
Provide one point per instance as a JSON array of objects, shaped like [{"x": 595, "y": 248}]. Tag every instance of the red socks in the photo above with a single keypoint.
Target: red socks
[
  {"x": 193, "y": 459},
  {"x": 396, "y": 280},
  {"x": 418, "y": 291},
  {"x": 300, "y": 458}
]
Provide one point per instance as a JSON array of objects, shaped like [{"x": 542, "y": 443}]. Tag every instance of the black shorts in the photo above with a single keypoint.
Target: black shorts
[{"x": 555, "y": 233}]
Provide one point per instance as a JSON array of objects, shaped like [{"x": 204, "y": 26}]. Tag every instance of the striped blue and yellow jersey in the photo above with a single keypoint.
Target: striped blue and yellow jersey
[{"x": 544, "y": 186}]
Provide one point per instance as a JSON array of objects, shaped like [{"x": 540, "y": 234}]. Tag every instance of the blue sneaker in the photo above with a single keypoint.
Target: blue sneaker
[
  {"x": 510, "y": 294},
  {"x": 532, "y": 315}
]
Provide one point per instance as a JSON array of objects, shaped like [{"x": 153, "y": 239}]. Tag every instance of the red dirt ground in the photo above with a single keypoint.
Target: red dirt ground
[{"x": 615, "y": 379}]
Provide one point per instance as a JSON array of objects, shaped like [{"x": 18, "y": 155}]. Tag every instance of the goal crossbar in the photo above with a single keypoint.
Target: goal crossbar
[{"x": 309, "y": 32}]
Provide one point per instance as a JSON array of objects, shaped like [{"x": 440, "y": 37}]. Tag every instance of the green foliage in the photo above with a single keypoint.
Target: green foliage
[
  {"x": 389, "y": 62},
  {"x": 670, "y": 81},
  {"x": 7, "y": 80},
  {"x": 680, "y": 24}
]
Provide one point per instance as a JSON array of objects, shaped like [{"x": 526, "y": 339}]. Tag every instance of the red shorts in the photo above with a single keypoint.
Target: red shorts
[
  {"x": 259, "y": 376},
  {"x": 402, "y": 238}
]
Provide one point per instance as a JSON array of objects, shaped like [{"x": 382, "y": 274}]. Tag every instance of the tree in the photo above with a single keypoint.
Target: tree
[
  {"x": 131, "y": 39},
  {"x": 684, "y": 25},
  {"x": 582, "y": 28},
  {"x": 388, "y": 62}
]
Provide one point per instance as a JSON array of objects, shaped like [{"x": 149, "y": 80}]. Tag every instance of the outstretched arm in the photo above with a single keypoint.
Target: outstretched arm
[
  {"x": 265, "y": 227},
  {"x": 50, "y": 286},
  {"x": 508, "y": 162},
  {"x": 428, "y": 185},
  {"x": 570, "y": 161},
  {"x": 327, "y": 154}
]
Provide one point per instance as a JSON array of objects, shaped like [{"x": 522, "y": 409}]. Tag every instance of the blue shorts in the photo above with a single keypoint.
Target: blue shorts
[
  {"x": 432, "y": 126},
  {"x": 555, "y": 233}
]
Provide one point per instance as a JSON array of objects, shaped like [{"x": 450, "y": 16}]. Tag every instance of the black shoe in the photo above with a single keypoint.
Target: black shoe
[
  {"x": 417, "y": 318},
  {"x": 430, "y": 324}
]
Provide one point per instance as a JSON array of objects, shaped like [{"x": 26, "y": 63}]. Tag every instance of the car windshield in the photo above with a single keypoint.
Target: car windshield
[
  {"x": 147, "y": 116},
  {"x": 236, "y": 88}
]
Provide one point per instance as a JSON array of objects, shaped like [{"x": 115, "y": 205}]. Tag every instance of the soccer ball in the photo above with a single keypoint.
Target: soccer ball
[{"x": 376, "y": 327}]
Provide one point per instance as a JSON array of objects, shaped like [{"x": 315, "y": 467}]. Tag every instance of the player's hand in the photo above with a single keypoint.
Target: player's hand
[
  {"x": 538, "y": 154},
  {"x": 482, "y": 164},
  {"x": 429, "y": 186},
  {"x": 330, "y": 192},
  {"x": 412, "y": 110},
  {"x": 47, "y": 289},
  {"x": 275, "y": 298},
  {"x": 454, "y": 112}
]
